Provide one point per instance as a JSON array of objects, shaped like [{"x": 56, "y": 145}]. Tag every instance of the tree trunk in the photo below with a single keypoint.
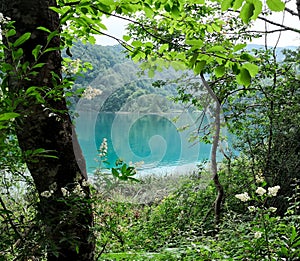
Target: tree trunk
[
  {"x": 215, "y": 144},
  {"x": 298, "y": 7},
  {"x": 45, "y": 124}
]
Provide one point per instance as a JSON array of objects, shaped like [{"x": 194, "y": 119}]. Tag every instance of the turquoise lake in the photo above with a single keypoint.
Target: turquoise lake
[{"x": 153, "y": 139}]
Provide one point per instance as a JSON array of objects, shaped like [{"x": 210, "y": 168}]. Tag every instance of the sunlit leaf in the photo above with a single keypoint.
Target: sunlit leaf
[
  {"x": 276, "y": 5},
  {"x": 22, "y": 39},
  {"x": 244, "y": 77}
]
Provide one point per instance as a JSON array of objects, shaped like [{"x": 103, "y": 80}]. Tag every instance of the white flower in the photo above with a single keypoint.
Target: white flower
[
  {"x": 78, "y": 191},
  {"x": 46, "y": 193},
  {"x": 260, "y": 191},
  {"x": 65, "y": 192},
  {"x": 243, "y": 197},
  {"x": 85, "y": 183},
  {"x": 103, "y": 148},
  {"x": 259, "y": 178},
  {"x": 90, "y": 93},
  {"x": 272, "y": 191},
  {"x": 257, "y": 234},
  {"x": 251, "y": 208},
  {"x": 272, "y": 209}
]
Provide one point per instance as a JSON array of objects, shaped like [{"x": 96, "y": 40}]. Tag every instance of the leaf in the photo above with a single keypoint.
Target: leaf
[
  {"x": 148, "y": 10},
  {"x": 197, "y": 43},
  {"x": 136, "y": 44},
  {"x": 252, "y": 68},
  {"x": 36, "y": 51},
  {"x": 226, "y": 4},
  {"x": 126, "y": 38},
  {"x": 220, "y": 71},
  {"x": 51, "y": 35},
  {"x": 178, "y": 65},
  {"x": 44, "y": 29},
  {"x": 243, "y": 77},
  {"x": 38, "y": 65},
  {"x": 51, "y": 49},
  {"x": 247, "y": 12},
  {"x": 239, "y": 47},
  {"x": 22, "y": 39},
  {"x": 276, "y": 5},
  {"x": 8, "y": 116},
  {"x": 163, "y": 48},
  {"x": 115, "y": 173},
  {"x": 237, "y": 4},
  {"x": 199, "y": 67},
  {"x": 11, "y": 32},
  {"x": 217, "y": 48}
]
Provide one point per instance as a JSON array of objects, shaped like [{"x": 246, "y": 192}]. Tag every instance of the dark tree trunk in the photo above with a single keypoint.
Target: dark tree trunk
[
  {"x": 47, "y": 125},
  {"x": 298, "y": 7}
]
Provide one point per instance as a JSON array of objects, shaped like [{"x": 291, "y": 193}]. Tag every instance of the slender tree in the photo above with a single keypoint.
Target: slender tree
[{"x": 44, "y": 128}]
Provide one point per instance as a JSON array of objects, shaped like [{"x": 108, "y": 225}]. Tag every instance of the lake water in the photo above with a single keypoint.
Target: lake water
[{"x": 151, "y": 138}]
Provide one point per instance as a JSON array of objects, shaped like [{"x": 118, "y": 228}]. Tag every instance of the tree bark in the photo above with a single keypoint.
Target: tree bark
[{"x": 46, "y": 125}]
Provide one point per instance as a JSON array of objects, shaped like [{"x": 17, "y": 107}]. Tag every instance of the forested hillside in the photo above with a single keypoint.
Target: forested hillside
[{"x": 115, "y": 83}]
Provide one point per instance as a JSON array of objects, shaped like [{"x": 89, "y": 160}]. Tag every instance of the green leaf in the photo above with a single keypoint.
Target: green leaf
[
  {"x": 276, "y": 5},
  {"x": 244, "y": 77},
  {"x": 220, "y": 71},
  {"x": 178, "y": 65},
  {"x": 115, "y": 173},
  {"x": 247, "y": 12},
  {"x": 199, "y": 66},
  {"x": 217, "y": 48},
  {"x": 197, "y": 43},
  {"x": 44, "y": 29},
  {"x": 36, "y": 51},
  {"x": 8, "y": 116},
  {"x": 237, "y": 4},
  {"x": 148, "y": 10},
  {"x": 51, "y": 35},
  {"x": 252, "y": 68},
  {"x": 11, "y": 32},
  {"x": 163, "y": 48},
  {"x": 136, "y": 43},
  {"x": 239, "y": 47},
  {"x": 22, "y": 39},
  {"x": 175, "y": 11},
  {"x": 51, "y": 49},
  {"x": 126, "y": 38},
  {"x": 38, "y": 65},
  {"x": 226, "y": 4}
]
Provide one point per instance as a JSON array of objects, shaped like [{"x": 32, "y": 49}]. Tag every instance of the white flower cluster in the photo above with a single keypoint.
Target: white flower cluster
[
  {"x": 79, "y": 191},
  {"x": 259, "y": 178},
  {"x": 103, "y": 148},
  {"x": 49, "y": 193},
  {"x": 90, "y": 93},
  {"x": 243, "y": 197},
  {"x": 272, "y": 191},
  {"x": 3, "y": 19},
  {"x": 260, "y": 191},
  {"x": 257, "y": 234},
  {"x": 251, "y": 208}
]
